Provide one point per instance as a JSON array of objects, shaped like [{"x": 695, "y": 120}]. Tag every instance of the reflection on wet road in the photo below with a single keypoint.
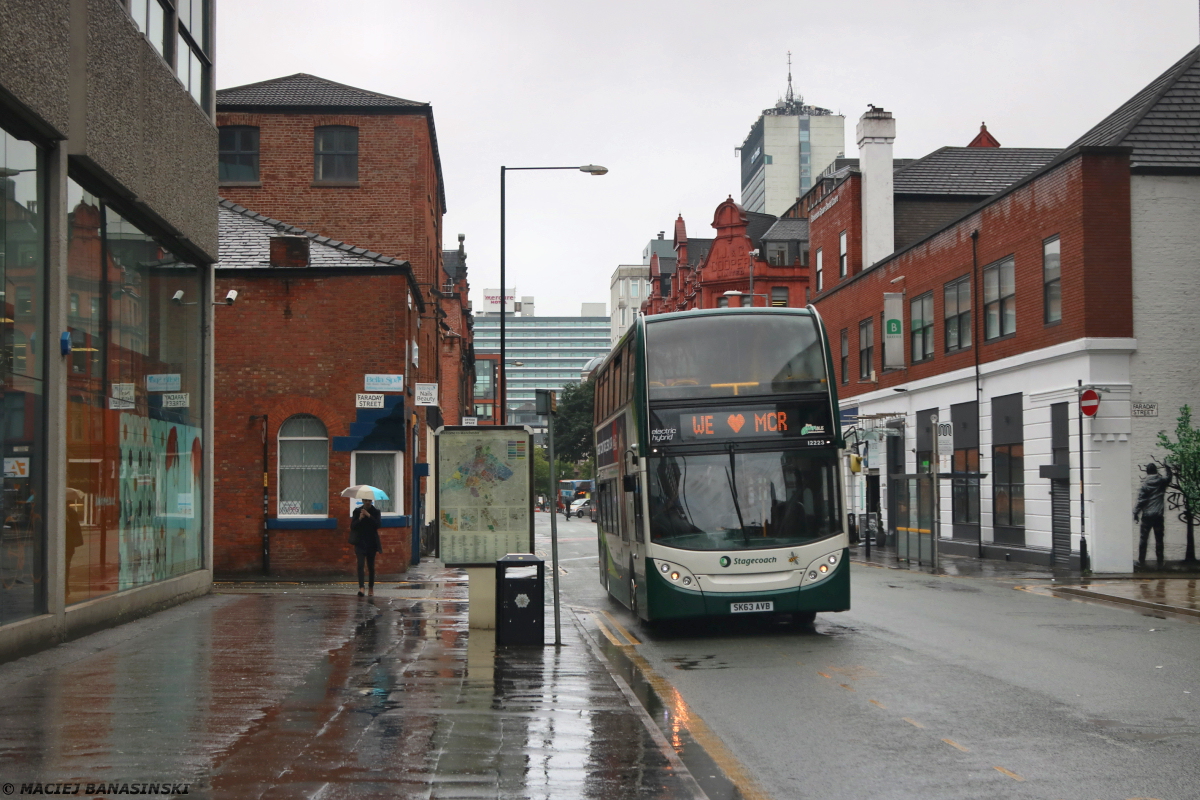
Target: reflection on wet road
[{"x": 312, "y": 692}]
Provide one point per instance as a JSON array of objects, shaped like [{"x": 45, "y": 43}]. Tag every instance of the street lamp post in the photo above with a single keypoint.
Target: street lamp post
[{"x": 591, "y": 169}]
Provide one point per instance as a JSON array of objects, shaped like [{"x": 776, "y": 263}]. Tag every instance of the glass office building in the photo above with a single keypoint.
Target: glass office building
[{"x": 542, "y": 353}]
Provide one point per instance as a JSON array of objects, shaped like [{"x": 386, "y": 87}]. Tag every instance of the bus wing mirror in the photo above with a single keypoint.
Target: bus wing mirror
[{"x": 629, "y": 483}]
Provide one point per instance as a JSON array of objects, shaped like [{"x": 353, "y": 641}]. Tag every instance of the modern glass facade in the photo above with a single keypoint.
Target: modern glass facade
[
  {"x": 22, "y": 369},
  {"x": 552, "y": 352},
  {"x": 135, "y": 413}
]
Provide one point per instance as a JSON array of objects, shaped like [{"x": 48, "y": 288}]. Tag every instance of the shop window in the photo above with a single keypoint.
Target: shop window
[{"x": 303, "y": 467}]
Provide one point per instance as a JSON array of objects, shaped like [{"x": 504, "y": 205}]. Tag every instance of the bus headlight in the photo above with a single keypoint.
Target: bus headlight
[
  {"x": 821, "y": 568},
  {"x": 677, "y": 575}
]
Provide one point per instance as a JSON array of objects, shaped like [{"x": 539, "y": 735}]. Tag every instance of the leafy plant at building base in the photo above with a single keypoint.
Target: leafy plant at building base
[{"x": 1183, "y": 456}]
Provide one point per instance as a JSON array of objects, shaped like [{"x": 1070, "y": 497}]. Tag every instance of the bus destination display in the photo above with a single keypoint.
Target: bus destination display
[{"x": 790, "y": 421}]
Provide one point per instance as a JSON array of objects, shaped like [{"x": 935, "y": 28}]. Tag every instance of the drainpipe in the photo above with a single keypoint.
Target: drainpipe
[
  {"x": 266, "y": 538},
  {"x": 976, "y": 316}
]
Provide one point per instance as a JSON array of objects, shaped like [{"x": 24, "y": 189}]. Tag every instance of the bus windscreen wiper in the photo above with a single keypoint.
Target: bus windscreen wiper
[{"x": 730, "y": 473}]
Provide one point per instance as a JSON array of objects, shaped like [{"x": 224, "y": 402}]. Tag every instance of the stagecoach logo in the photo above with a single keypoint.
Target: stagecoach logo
[
  {"x": 807, "y": 429},
  {"x": 746, "y": 562},
  {"x": 660, "y": 435}
]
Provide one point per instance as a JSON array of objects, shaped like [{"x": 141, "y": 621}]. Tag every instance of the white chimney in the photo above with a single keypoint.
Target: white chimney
[{"x": 876, "y": 132}]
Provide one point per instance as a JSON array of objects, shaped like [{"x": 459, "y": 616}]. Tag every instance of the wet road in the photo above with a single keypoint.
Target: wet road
[
  {"x": 931, "y": 687},
  {"x": 308, "y": 691}
]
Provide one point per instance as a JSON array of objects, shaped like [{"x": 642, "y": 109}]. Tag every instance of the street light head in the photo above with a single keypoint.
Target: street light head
[{"x": 594, "y": 169}]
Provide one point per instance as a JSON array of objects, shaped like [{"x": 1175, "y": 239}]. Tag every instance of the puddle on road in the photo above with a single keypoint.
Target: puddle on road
[{"x": 701, "y": 662}]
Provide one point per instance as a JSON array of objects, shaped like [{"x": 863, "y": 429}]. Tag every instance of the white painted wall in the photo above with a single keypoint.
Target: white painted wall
[
  {"x": 1166, "y": 320},
  {"x": 875, "y": 135}
]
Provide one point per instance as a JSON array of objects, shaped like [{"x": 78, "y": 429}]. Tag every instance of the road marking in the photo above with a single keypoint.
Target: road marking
[
  {"x": 876, "y": 702},
  {"x": 1012, "y": 775},
  {"x": 630, "y": 638},
  {"x": 604, "y": 630},
  {"x": 957, "y": 746},
  {"x": 704, "y": 736},
  {"x": 913, "y": 722},
  {"x": 846, "y": 686},
  {"x": 822, "y": 674}
]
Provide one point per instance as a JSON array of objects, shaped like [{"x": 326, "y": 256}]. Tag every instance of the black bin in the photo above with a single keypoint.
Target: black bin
[{"x": 520, "y": 600}]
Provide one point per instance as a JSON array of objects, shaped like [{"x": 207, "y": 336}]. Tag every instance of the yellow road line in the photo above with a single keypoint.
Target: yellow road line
[
  {"x": 914, "y": 723},
  {"x": 823, "y": 675},
  {"x": 876, "y": 702},
  {"x": 604, "y": 630},
  {"x": 846, "y": 686},
  {"x": 1012, "y": 775},
  {"x": 957, "y": 746},
  {"x": 628, "y": 636},
  {"x": 704, "y": 736}
]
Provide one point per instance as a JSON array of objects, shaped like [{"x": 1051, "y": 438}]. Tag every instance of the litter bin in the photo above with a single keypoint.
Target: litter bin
[{"x": 520, "y": 600}]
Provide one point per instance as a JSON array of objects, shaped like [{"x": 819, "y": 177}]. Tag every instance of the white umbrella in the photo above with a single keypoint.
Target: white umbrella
[{"x": 365, "y": 492}]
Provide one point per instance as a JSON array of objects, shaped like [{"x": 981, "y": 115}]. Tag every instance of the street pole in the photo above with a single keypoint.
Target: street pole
[
  {"x": 546, "y": 404},
  {"x": 503, "y": 397},
  {"x": 1085, "y": 565}
]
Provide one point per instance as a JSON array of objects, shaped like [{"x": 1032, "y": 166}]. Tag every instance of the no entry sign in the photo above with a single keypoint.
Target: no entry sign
[{"x": 1089, "y": 402}]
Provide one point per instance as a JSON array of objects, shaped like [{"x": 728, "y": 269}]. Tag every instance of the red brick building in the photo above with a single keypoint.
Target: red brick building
[
  {"x": 971, "y": 294},
  {"x": 362, "y": 169},
  {"x": 752, "y": 254}
]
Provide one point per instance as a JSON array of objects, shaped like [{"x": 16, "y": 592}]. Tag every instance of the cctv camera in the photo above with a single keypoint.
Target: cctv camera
[
  {"x": 229, "y": 298},
  {"x": 177, "y": 298}
]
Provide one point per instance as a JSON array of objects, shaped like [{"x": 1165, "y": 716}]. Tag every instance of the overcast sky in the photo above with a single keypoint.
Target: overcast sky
[{"x": 662, "y": 92}]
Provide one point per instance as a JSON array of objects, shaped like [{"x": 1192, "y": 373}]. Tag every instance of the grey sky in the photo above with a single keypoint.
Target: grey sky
[{"x": 662, "y": 92}]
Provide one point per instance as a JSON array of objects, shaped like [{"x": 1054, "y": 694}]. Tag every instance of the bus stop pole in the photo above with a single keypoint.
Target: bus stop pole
[{"x": 553, "y": 524}]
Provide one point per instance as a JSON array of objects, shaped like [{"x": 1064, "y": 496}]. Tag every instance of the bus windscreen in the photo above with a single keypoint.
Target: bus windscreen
[{"x": 734, "y": 355}]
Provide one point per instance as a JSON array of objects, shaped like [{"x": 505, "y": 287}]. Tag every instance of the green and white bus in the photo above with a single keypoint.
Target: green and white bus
[{"x": 718, "y": 488}]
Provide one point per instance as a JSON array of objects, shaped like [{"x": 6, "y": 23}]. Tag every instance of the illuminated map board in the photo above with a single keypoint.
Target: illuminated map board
[{"x": 484, "y": 498}]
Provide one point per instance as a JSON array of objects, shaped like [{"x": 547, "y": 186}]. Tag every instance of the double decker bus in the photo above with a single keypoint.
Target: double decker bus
[{"x": 718, "y": 490}]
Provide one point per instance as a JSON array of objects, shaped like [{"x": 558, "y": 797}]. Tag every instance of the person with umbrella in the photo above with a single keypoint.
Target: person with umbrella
[{"x": 364, "y": 532}]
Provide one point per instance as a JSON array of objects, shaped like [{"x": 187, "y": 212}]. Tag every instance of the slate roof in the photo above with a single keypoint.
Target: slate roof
[
  {"x": 970, "y": 171},
  {"x": 787, "y": 230},
  {"x": 757, "y": 224},
  {"x": 698, "y": 250},
  {"x": 667, "y": 264},
  {"x": 304, "y": 90},
  {"x": 454, "y": 266},
  {"x": 1161, "y": 122},
  {"x": 244, "y": 243}
]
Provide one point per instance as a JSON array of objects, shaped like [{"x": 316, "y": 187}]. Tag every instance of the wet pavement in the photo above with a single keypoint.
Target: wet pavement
[
  {"x": 1175, "y": 592},
  {"x": 305, "y": 690}
]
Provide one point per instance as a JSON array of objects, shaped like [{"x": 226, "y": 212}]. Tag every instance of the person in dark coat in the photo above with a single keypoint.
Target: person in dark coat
[
  {"x": 1150, "y": 508},
  {"x": 365, "y": 523}
]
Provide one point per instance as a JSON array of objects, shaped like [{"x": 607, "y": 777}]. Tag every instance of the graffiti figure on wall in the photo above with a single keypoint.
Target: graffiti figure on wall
[{"x": 1149, "y": 507}]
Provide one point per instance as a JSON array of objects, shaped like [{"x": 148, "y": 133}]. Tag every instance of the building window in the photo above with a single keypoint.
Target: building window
[
  {"x": 921, "y": 327},
  {"x": 191, "y": 62},
  {"x": 722, "y": 302},
  {"x": 820, "y": 270},
  {"x": 237, "y": 153},
  {"x": 999, "y": 301},
  {"x": 303, "y": 467},
  {"x": 964, "y": 504},
  {"x": 381, "y": 470},
  {"x": 634, "y": 288},
  {"x": 24, "y": 301},
  {"x": 845, "y": 355},
  {"x": 335, "y": 153},
  {"x": 842, "y": 259},
  {"x": 151, "y": 19},
  {"x": 866, "y": 348},
  {"x": 779, "y": 296},
  {"x": 73, "y": 305},
  {"x": 957, "y": 312},
  {"x": 1008, "y": 484},
  {"x": 777, "y": 254},
  {"x": 1052, "y": 279}
]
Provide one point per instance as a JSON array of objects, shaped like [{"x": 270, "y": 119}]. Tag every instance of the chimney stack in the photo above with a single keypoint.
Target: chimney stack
[{"x": 876, "y": 132}]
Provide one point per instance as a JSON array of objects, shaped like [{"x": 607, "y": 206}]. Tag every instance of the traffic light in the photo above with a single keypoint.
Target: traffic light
[{"x": 545, "y": 402}]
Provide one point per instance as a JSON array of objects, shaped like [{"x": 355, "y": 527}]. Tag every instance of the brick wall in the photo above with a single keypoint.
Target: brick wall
[
  {"x": 299, "y": 345},
  {"x": 1084, "y": 201}
]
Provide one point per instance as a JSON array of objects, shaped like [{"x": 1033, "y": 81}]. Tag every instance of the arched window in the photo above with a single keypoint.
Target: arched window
[{"x": 303, "y": 467}]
